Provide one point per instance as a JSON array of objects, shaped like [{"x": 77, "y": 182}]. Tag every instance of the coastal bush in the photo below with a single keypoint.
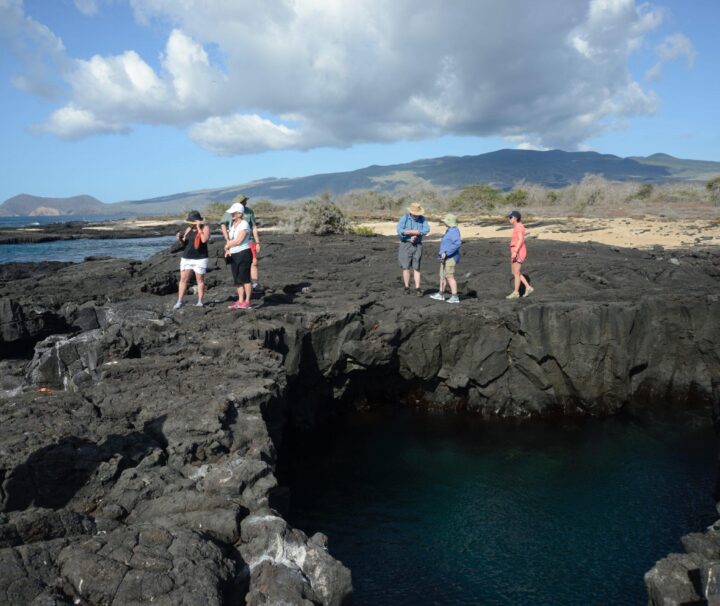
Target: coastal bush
[
  {"x": 516, "y": 198},
  {"x": 477, "y": 197},
  {"x": 713, "y": 187},
  {"x": 320, "y": 217},
  {"x": 362, "y": 230},
  {"x": 214, "y": 211},
  {"x": 265, "y": 208}
]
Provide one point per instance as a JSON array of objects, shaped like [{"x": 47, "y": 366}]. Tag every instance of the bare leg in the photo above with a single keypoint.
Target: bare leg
[
  {"x": 254, "y": 271},
  {"x": 453, "y": 284},
  {"x": 416, "y": 275},
  {"x": 516, "y": 274},
  {"x": 248, "y": 289},
  {"x": 406, "y": 277},
  {"x": 200, "y": 278},
  {"x": 184, "y": 277},
  {"x": 523, "y": 279},
  {"x": 442, "y": 281},
  {"x": 241, "y": 294}
]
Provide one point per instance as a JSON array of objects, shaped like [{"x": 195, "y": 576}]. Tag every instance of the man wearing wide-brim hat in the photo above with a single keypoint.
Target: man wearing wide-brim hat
[{"x": 411, "y": 228}]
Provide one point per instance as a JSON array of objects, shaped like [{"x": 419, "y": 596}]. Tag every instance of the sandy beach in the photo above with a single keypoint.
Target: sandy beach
[{"x": 625, "y": 232}]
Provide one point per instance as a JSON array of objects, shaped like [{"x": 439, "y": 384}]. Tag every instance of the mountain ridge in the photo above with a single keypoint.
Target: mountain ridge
[{"x": 501, "y": 168}]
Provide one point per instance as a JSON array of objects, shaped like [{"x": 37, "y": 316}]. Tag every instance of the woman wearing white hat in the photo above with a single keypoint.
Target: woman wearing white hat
[{"x": 237, "y": 248}]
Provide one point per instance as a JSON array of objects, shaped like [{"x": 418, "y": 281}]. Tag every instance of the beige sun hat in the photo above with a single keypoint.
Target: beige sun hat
[
  {"x": 450, "y": 220},
  {"x": 416, "y": 209}
]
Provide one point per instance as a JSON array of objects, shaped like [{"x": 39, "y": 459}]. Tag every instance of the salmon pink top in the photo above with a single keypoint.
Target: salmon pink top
[{"x": 517, "y": 241}]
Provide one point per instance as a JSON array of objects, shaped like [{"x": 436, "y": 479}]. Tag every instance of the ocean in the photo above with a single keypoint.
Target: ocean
[
  {"x": 77, "y": 250},
  {"x": 431, "y": 509}
]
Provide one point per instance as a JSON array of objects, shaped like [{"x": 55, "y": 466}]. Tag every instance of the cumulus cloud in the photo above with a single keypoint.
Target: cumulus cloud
[
  {"x": 672, "y": 48},
  {"x": 307, "y": 73},
  {"x": 72, "y": 123},
  {"x": 40, "y": 52}
]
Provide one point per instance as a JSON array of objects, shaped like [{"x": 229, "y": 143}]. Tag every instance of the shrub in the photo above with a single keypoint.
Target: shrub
[
  {"x": 362, "y": 230},
  {"x": 713, "y": 185},
  {"x": 645, "y": 191},
  {"x": 214, "y": 211},
  {"x": 475, "y": 197},
  {"x": 264, "y": 207},
  {"x": 517, "y": 197},
  {"x": 320, "y": 217}
]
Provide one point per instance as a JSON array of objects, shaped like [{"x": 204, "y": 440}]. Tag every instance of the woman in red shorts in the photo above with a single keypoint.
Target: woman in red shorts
[{"x": 518, "y": 254}]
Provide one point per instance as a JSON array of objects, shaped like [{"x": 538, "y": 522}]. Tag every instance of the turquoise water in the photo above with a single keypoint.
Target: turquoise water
[
  {"x": 77, "y": 250},
  {"x": 431, "y": 509}
]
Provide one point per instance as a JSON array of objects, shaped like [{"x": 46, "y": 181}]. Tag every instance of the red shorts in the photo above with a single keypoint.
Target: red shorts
[
  {"x": 253, "y": 250},
  {"x": 518, "y": 259}
]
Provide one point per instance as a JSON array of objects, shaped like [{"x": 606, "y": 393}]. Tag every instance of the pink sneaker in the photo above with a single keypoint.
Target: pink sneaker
[
  {"x": 236, "y": 305},
  {"x": 244, "y": 305}
]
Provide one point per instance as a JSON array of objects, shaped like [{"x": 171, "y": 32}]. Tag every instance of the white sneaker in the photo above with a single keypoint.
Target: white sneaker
[
  {"x": 513, "y": 295},
  {"x": 199, "y": 304},
  {"x": 178, "y": 305},
  {"x": 528, "y": 291},
  {"x": 453, "y": 299},
  {"x": 438, "y": 296}
]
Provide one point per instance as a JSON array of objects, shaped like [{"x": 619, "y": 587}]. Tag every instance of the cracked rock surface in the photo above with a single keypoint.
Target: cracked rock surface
[{"x": 138, "y": 446}]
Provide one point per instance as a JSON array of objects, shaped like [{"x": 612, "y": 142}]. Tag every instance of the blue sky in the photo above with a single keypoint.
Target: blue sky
[{"x": 130, "y": 99}]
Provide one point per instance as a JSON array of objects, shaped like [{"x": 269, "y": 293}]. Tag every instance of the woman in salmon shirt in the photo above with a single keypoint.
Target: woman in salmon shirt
[{"x": 518, "y": 254}]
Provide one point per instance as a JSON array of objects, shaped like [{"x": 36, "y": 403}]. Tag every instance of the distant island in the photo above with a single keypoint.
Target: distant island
[{"x": 501, "y": 169}]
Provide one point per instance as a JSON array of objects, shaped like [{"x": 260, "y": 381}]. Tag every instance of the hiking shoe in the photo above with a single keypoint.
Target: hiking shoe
[
  {"x": 438, "y": 296},
  {"x": 513, "y": 295},
  {"x": 453, "y": 299},
  {"x": 406, "y": 291},
  {"x": 199, "y": 304},
  {"x": 418, "y": 292},
  {"x": 235, "y": 305},
  {"x": 178, "y": 305},
  {"x": 528, "y": 291},
  {"x": 244, "y": 305}
]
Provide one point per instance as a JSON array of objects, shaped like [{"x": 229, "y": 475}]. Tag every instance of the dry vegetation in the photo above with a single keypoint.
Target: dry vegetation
[{"x": 593, "y": 197}]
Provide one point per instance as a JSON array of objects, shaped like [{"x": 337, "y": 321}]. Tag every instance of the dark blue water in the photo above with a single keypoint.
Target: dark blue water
[
  {"x": 430, "y": 509},
  {"x": 77, "y": 250},
  {"x": 29, "y": 221}
]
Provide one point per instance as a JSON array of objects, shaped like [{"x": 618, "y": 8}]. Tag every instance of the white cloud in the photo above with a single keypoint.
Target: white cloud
[
  {"x": 40, "y": 52},
  {"x": 87, "y": 7},
  {"x": 674, "y": 47},
  {"x": 240, "y": 134},
  {"x": 72, "y": 123},
  {"x": 306, "y": 73}
]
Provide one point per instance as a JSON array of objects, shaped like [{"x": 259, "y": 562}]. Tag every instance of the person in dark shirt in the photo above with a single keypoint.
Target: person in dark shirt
[{"x": 195, "y": 256}]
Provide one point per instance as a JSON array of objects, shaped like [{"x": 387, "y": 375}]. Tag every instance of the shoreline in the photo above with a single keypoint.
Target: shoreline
[{"x": 640, "y": 232}]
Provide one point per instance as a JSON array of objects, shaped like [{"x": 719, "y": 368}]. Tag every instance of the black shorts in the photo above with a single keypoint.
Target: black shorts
[{"x": 240, "y": 266}]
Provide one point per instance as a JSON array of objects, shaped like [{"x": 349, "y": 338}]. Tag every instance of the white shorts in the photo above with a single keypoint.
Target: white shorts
[{"x": 199, "y": 266}]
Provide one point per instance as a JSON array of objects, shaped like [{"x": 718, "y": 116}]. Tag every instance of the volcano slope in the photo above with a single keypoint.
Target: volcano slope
[{"x": 139, "y": 445}]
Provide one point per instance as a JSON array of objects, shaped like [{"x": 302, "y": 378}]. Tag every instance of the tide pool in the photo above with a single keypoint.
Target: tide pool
[{"x": 448, "y": 510}]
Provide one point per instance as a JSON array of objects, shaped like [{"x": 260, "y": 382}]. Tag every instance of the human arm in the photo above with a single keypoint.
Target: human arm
[
  {"x": 450, "y": 243},
  {"x": 401, "y": 225},
  {"x": 256, "y": 237},
  {"x": 224, "y": 230},
  {"x": 204, "y": 232},
  {"x": 183, "y": 237}
]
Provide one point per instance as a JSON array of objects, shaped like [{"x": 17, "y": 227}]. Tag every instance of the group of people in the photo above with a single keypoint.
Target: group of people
[
  {"x": 413, "y": 225},
  {"x": 242, "y": 245}
]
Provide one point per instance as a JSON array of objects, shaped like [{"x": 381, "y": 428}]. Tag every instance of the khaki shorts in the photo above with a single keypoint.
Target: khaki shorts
[
  {"x": 447, "y": 269},
  {"x": 410, "y": 255}
]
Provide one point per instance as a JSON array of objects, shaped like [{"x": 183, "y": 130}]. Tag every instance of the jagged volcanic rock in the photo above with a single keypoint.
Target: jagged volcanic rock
[{"x": 138, "y": 445}]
